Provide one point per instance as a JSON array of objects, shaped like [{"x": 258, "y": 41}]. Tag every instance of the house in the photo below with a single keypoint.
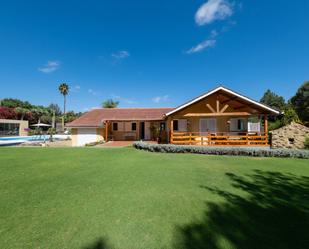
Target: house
[
  {"x": 117, "y": 124},
  {"x": 220, "y": 117},
  {"x": 11, "y": 127}
]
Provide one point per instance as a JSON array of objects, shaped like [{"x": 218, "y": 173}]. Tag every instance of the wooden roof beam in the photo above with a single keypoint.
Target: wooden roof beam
[
  {"x": 228, "y": 100},
  {"x": 217, "y": 114},
  {"x": 210, "y": 108}
]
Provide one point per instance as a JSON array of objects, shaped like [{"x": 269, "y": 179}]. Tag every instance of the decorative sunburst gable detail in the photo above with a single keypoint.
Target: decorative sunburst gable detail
[{"x": 218, "y": 110}]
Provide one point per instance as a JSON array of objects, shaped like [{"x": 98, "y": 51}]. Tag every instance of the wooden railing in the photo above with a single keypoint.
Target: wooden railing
[{"x": 219, "y": 138}]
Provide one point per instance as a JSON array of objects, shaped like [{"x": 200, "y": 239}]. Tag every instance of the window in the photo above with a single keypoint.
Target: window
[
  {"x": 291, "y": 140},
  {"x": 9, "y": 129},
  {"x": 133, "y": 126},
  {"x": 175, "y": 125},
  {"x": 238, "y": 124},
  {"x": 162, "y": 126},
  {"x": 115, "y": 126},
  {"x": 180, "y": 125}
]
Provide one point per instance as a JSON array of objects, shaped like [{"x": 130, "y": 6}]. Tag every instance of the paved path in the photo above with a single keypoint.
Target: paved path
[
  {"x": 116, "y": 144},
  {"x": 120, "y": 144}
]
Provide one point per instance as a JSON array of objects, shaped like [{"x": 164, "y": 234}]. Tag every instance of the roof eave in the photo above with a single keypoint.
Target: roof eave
[{"x": 275, "y": 112}]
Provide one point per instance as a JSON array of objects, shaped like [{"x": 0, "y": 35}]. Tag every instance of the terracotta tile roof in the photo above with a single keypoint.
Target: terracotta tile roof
[{"x": 96, "y": 117}]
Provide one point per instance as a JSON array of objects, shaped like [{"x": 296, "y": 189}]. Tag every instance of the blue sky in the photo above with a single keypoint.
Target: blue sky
[{"x": 151, "y": 53}]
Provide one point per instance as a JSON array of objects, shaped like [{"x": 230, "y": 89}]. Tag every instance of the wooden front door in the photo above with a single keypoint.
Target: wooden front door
[{"x": 142, "y": 130}]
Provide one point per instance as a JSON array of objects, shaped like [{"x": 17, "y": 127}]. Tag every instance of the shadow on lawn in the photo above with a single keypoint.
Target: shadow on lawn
[
  {"x": 273, "y": 214},
  {"x": 99, "y": 244}
]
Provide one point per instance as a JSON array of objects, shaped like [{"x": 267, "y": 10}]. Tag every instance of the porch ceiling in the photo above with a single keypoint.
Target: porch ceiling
[{"x": 237, "y": 103}]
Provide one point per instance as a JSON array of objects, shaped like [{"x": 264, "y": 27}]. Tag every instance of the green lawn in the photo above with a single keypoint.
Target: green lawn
[{"x": 129, "y": 199}]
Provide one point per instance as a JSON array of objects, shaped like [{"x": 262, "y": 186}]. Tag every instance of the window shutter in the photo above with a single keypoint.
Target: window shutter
[
  {"x": 182, "y": 125},
  {"x": 233, "y": 124}
]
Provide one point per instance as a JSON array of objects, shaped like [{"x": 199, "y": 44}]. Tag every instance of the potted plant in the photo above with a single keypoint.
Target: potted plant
[{"x": 155, "y": 132}]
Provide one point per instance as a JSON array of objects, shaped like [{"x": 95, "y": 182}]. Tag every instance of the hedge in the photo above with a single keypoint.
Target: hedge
[{"x": 231, "y": 151}]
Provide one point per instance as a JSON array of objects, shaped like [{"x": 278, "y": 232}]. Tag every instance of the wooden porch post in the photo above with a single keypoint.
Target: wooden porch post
[
  {"x": 171, "y": 131},
  {"x": 106, "y": 131},
  {"x": 266, "y": 127}
]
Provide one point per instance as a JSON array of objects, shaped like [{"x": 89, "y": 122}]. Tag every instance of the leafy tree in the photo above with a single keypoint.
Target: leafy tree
[
  {"x": 273, "y": 100},
  {"x": 70, "y": 116},
  {"x": 110, "y": 103},
  {"x": 22, "y": 112},
  {"x": 55, "y": 108},
  {"x": 64, "y": 90},
  {"x": 38, "y": 112},
  {"x": 289, "y": 116},
  {"x": 7, "y": 113},
  {"x": 14, "y": 103},
  {"x": 46, "y": 118},
  {"x": 300, "y": 102}
]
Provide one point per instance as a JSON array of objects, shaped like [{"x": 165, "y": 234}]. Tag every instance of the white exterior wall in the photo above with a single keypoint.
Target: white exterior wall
[{"x": 85, "y": 136}]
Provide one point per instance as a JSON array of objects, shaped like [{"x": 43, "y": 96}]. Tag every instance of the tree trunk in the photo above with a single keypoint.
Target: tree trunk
[
  {"x": 53, "y": 120},
  {"x": 64, "y": 103}
]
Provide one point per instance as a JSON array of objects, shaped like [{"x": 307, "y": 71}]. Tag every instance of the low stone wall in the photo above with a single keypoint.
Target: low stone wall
[{"x": 291, "y": 136}]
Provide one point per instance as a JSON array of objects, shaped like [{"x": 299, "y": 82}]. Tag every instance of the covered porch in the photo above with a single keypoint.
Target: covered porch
[{"x": 132, "y": 130}]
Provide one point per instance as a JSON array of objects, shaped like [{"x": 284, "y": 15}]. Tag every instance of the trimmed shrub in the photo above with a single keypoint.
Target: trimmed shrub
[
  {"x": 231, "y": 151},
  {"x": 95, "y": 143},
  {"x": 306, "y": 144}
]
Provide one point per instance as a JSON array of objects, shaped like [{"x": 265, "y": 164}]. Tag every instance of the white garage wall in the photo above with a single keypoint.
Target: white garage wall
[{"x": 86, "y": 135}]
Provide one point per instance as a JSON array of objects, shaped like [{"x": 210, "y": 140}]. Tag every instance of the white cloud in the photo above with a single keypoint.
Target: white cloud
[
  {"x": 114, "y": 96},
  {"x": 124, "y": 100},
  {"x": 159, "y": 99},
  {"x": 209, "y": 43},
  {"x": 214, "y": 33},
  {"x": 213, "y": 10},
  {"x": 121, "y": 54},
  {"x": 92, "y": 92},
  {"x": 76, "y": 89},
  {"x": 130, "y": 101},
  {"x": 50, "y": 67}
]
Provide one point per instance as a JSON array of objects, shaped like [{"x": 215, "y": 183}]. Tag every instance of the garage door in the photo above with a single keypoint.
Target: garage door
[{"x": 86, "y": 135}]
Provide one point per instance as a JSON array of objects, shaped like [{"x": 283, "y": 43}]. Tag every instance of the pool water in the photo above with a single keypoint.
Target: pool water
[
  {"x": 26, "y": 138},
  {"x": 9, "y": 141}
]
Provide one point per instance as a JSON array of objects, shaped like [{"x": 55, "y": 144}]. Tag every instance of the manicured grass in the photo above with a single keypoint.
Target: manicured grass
[{"x": 130, "y": 199}]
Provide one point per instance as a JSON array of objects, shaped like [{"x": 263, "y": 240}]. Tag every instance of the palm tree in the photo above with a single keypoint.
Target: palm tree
[
  {"x": 64, "y": 90},
  {"x": 110, "y": 103}
]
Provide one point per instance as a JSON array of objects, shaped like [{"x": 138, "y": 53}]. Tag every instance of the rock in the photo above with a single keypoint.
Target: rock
[{"x": 290, "y": 136}]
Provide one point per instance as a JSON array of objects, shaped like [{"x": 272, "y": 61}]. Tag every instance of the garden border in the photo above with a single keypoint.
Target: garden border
[{"x": 230, "y": 151}]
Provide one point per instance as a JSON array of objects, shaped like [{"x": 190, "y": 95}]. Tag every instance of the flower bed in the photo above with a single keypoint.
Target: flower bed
[{"x": 231, "y": 151}]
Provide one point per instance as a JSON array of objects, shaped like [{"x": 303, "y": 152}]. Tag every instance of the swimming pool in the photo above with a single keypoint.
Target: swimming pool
[
  {"x": 25, "y": 138},
  {"x": 7, "y": 141}
]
